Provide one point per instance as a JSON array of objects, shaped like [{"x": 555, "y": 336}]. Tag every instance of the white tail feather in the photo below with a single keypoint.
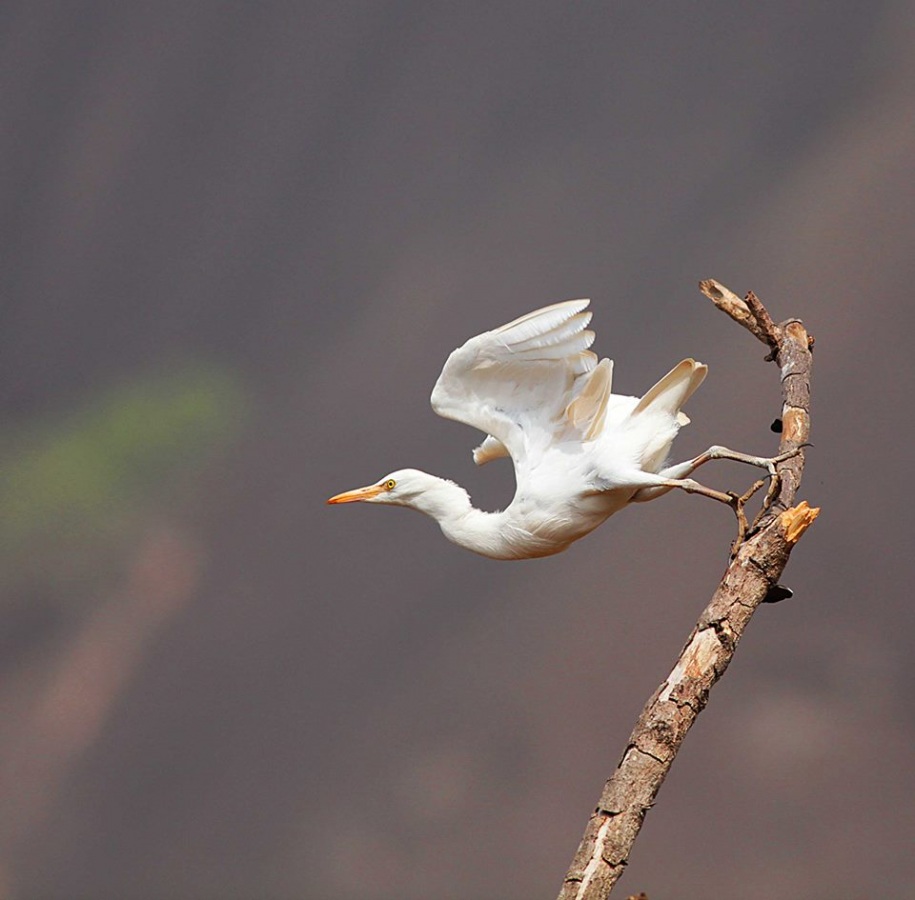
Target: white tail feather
[{"x": 674, "y": 389}]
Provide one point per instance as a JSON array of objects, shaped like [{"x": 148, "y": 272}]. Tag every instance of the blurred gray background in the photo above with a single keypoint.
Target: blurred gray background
[{"x": 238, "y": 242}]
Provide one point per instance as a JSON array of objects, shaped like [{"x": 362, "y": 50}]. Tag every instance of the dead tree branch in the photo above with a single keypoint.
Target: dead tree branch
[{"x": 751, "y": 578}]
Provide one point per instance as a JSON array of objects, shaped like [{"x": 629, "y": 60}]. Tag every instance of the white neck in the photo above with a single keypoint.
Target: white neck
[{"x": 495, "y": 535}]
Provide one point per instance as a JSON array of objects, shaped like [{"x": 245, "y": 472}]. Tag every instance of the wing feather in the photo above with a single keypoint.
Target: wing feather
[
  {"x": 514, "y": 383},
  {"x": 588, "y": 411},
  {"x": 491, "y": 448}
]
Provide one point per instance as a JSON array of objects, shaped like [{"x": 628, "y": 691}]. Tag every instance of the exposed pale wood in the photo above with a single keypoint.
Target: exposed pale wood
[
  {"x": 797, "y": 520},
  {"x": 754, "y": 570}
]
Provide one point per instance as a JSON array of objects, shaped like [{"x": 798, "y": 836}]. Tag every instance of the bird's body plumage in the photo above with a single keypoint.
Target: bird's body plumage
[{"x": 580, "y": 452}]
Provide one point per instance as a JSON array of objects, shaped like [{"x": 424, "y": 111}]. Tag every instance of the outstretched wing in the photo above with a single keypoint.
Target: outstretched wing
[{"x": 515, "y": 383}]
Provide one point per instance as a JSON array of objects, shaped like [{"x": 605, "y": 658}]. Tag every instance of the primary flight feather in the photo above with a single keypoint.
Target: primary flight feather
[{"x": 580, "y": 452}]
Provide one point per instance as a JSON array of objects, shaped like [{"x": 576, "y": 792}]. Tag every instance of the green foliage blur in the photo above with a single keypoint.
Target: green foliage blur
[{"x": 74, "y": 488}]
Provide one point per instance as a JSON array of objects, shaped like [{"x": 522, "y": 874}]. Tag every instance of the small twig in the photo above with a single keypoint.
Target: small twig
[
  {"x": 753, "y": 574},
  {"x": 766, "y": 326},
  {"x": 728, "y": 302}
]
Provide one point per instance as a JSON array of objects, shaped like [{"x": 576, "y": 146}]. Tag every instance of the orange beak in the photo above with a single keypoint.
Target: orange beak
[{"x": 363, "y": 493}]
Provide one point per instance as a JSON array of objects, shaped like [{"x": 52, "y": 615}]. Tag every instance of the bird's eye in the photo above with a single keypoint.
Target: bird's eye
[{"x": 390, "y": 484}]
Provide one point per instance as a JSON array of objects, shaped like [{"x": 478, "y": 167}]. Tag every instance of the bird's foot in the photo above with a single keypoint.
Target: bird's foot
[
  {"x": 769, "y": 463},
  {"x": 738, "y": 502},
  {"x": 739, "y": 506}
]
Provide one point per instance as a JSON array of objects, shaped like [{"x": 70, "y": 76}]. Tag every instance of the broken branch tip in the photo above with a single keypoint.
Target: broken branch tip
[{"x": 797, "y": 520}]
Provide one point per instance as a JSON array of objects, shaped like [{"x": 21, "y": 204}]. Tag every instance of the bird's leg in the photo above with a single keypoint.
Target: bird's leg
[
  {"x": 685, "y": 469},
  {"x": 693, "y": 487},
  {"x": 762, "y": 462}
]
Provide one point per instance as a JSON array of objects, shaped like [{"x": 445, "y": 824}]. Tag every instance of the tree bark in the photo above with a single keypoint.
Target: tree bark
[{"x": 751, "y": 578}]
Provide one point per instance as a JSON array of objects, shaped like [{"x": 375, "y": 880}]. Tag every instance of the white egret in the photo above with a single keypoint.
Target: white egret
[{"x": 580, "y": 452}]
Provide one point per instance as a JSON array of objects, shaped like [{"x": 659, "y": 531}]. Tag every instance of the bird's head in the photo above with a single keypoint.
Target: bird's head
[{"x": 400, "y": 488}]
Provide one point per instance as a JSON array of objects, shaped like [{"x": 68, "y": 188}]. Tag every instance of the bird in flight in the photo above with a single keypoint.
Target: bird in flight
[{"x": 580, "y": 452}]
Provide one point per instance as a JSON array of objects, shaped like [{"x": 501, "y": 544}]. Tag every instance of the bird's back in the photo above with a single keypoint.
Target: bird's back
[{"x": 638, "y": 432}]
